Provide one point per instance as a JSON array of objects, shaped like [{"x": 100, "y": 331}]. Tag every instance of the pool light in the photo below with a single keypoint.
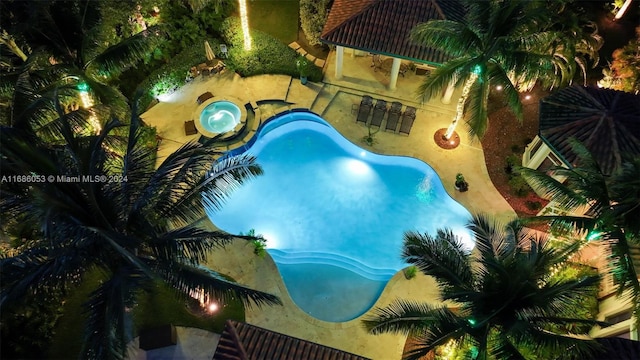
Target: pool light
[{"x": 357, "y": 167}]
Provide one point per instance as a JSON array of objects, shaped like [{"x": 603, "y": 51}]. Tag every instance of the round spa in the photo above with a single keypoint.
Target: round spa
[{"x": 223, "y": 118}]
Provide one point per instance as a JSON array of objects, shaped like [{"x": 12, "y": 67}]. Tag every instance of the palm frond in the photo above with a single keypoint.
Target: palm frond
[
  {"x": 188, "y": 279},
  {"x": 226, "y": 176},
  {"x": 551, "y": 188},
  {"x": 444, "y": 257},
  {"x": 106, "y": 333},
  {"x": 497, "y": 75},
  {"x": 452, "y": 38},
  {"x": 541, "y": 341},
  {"x": 409, "y": 318},
  {"x": 476, "y": 105},
  {"x": 189, "y": 243},
  {"x": 124, "y": 54},
  {"x": 35, "y": 271},
  {"x": 441, "y": 77}
]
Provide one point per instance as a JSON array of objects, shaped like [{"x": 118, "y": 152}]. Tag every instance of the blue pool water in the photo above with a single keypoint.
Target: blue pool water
[
  {"x": 334, "y": 214},
  {"x": 220, "y": 116}
]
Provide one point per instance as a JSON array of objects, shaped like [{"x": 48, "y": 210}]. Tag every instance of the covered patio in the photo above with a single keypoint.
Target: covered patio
[{"x": 375, "y": 35}]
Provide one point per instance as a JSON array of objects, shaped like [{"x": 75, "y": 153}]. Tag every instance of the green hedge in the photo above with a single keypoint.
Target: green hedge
[
  {"x": 171, "y": 76},
  {"x": 268, "y": 55}
]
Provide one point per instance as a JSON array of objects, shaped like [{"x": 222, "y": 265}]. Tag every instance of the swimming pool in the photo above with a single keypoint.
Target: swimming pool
[{"x": 334, "y": 214}]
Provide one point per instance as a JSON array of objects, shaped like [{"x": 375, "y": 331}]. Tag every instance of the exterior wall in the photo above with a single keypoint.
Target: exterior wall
[{"x": 611, "y": 306}]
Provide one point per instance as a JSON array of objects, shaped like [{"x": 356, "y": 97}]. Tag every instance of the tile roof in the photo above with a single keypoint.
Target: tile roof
[
  {"x": 606, "y": 121},
  {"x": 242, "y": 341},
  {"x": 617, "y": 348},
  {"x": 383, "y": 26}
]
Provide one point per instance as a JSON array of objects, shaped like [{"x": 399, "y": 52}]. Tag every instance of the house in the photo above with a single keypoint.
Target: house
[
  {"x": 242, "y": 341},
  {"x": 607, "y": 123},
  {"x": 382, "y": 28}
]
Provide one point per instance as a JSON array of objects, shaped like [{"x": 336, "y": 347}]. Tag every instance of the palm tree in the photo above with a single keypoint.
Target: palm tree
[
  {"x": 612, "y": 204},
  {"x": 71, "y": 57},
  {"x": 120, "y": 216},
  {"x": 505, "y": 298},
  {"x": 506, "y": 43}
]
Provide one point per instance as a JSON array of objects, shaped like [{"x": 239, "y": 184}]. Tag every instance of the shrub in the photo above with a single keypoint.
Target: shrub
[
  {"x": 410, "y": 272},
  {"x": 533, "y": 205},
  {"x": 259, "y": 246},
  {"x": 519, "y": 186},
  {"x": 512, "y": 160},
  {"x": 172, "y": 75},
  {"x": 268, "y": 55},
  {"x": 313, "y": 16}
]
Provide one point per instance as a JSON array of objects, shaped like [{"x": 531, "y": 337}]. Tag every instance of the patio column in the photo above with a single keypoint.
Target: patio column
[
  {"x": 448, "y": 92},
  {"x": 339, "y": 59},
  {"x": 395, "y": 69}
]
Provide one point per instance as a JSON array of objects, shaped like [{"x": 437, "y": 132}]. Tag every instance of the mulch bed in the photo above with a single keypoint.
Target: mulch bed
[{"x": 506, "y": 136}]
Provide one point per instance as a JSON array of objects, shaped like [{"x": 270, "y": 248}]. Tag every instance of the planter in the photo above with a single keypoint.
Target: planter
[
  {"x": 303, "y": 80},
  {"x": 461, "y": 186}
]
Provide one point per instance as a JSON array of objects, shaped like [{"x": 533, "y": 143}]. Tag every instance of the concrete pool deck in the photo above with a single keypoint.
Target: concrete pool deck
[{"x": 333, "y": 100}]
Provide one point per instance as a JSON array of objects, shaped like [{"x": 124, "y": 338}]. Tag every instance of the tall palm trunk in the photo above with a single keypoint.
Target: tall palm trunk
[
  {"x": 460, "y": 107},
  {"x": 9, "y": 41}
]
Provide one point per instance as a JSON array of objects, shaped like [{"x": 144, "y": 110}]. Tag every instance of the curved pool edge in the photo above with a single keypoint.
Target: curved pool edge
[
  {"x": 257, "y": 133},
  {"x": 233, "y": 132},
  {"x": 272, "y": 123},
  {"x": 258, "y": 316}
]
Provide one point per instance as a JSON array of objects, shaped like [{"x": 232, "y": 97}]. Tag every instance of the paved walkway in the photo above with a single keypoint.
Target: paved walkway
[{"x": 334, "y": 103}]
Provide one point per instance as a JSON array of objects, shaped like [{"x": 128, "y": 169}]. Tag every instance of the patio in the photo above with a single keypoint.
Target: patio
[{"x": 334, "y": 100}]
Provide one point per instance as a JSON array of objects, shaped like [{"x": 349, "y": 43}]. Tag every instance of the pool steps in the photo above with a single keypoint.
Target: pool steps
[{"x": 291, "y": 257}]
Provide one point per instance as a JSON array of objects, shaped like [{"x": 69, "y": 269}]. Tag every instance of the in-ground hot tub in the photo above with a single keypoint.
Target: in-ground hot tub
[{"x": 223, "y": 118}]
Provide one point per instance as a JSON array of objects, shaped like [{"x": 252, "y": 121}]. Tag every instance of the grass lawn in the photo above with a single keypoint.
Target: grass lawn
[
  {"x": 160, "y": 307},
  {"x": 278, "y": 18}
]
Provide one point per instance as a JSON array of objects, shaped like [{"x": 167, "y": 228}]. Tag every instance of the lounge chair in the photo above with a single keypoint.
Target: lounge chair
[
  {"x": 394, "y": 116},
  {"x": 365, "y": 108},
  {"x": 378, "y": 113},
  {"x": 190, "y": 127},
  {"x": 408, "y": 117},
  {"x": 204, "y": 97}
]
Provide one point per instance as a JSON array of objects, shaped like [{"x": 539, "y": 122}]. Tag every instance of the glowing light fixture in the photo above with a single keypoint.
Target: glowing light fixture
[
  {"x": 499, "y": 87},
  {"x": 83, "y": 87},
  {"x": 593, "y": 235},
  {"x": 87, "y": 103},
  {"x": 527, "y": 97},
  {"x": 244, "y": 21},
  {"x": 212, "y": 307}
]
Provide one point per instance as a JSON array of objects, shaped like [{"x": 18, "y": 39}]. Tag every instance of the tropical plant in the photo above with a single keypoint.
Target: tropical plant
[
  {"x": 604, "y": 206},
  {"x": 96, "y": 208},
  {"x": 623, "y": 73},
  {"x": 461, "y": 184},
  {"x": 313, "y": 16},
  {"x": 506, "y": 43},
  {"x": 67, "y": 58},
  {"x": 502, "y": 298}
]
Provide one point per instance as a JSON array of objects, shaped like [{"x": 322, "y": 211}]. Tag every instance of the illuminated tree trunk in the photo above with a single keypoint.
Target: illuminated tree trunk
[
  {"x": 460, "y": 106},
  {"x": 8, "y": 40},
  {"x": 623, "y": 9},
  {"x": 244, "y": 21}
]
